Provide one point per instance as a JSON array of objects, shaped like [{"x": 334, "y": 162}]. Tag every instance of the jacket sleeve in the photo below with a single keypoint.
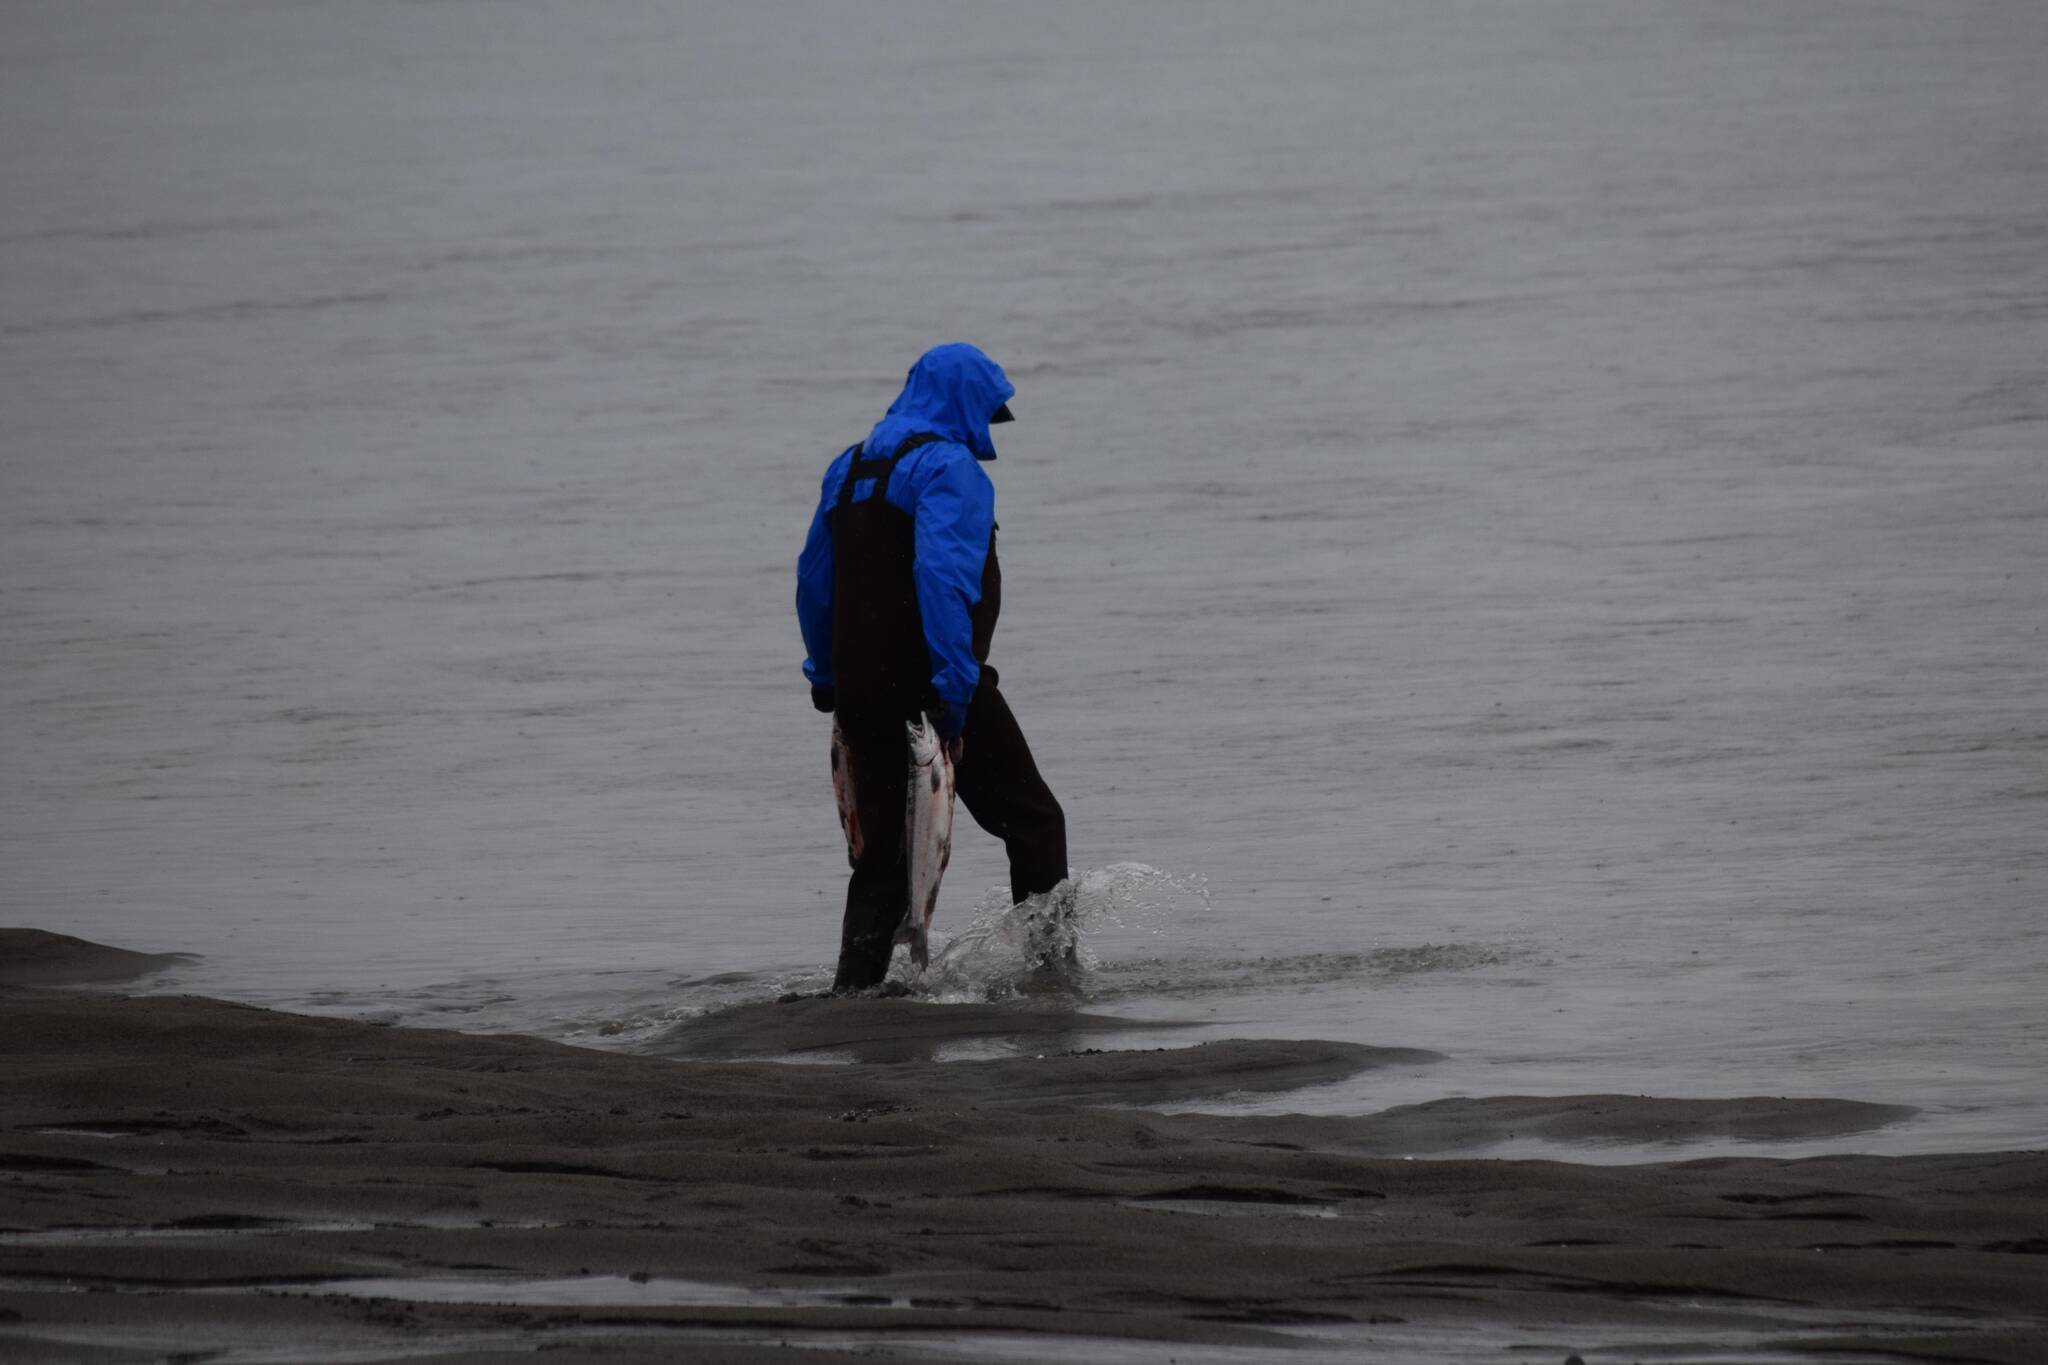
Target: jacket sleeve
[
  {"x": 814, "y": 586},
  {"x": 956, "y": 509}
]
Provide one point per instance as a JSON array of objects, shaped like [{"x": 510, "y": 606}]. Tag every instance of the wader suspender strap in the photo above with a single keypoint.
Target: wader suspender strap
[{"x": 879, "y": 470}]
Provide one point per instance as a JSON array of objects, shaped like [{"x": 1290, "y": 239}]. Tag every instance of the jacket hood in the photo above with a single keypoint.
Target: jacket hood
[{"x": 952, "y": 391}]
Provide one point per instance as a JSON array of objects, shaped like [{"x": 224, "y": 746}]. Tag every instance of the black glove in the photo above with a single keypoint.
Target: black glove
[{"x": 822, "y": 698}]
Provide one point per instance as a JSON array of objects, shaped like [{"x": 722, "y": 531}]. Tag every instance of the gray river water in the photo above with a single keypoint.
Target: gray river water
[{"x": 1526, "y": 533}]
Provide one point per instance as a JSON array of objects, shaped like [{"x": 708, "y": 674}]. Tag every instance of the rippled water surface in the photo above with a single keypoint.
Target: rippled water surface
[{"x": 1529, "y": 520}]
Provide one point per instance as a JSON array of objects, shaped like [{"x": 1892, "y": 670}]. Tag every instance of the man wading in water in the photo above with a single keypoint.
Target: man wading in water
[{"x": 897, "y": 593}]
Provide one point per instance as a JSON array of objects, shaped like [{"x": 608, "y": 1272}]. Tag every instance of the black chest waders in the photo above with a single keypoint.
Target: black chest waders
[{"x": 881, "y": 668}]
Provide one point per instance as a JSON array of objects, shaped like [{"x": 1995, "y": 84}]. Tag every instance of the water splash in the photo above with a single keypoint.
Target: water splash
[
  {"x": 1046, "y": 943},
  {"x": 1110, "y": 942}
]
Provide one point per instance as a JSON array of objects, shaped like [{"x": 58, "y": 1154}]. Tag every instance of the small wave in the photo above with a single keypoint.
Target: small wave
[
  {"x": 232, "y": 309},
  {"x": 614, "y": 1008},
  {"x": 650, "y": 1012},
  {"x": 1076, "y": 942},
  {"x": 1214, "y": 974}
]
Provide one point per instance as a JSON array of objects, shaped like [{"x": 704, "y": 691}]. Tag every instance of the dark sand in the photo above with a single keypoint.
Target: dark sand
[{"x": 158, "y": 1145}]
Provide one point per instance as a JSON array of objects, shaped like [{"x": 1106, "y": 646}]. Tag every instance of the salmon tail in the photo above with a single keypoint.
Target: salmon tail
[{"x": 916, "y": 930}]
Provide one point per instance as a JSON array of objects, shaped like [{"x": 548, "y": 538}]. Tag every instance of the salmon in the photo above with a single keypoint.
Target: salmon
[
  {"x": 842, "y": 792},
  {"x": 927, "y": 834}
]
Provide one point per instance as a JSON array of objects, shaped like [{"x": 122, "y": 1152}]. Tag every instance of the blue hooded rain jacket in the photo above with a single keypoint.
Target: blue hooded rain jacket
[{"x": 952, "y": 391}]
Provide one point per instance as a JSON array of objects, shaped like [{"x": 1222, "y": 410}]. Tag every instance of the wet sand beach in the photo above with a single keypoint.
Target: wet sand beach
[{"x": 181, "y": 1176}]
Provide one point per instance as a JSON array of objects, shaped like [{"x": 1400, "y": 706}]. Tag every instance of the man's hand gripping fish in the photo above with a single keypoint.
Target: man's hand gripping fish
[{"x": 927, "y": 826}]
